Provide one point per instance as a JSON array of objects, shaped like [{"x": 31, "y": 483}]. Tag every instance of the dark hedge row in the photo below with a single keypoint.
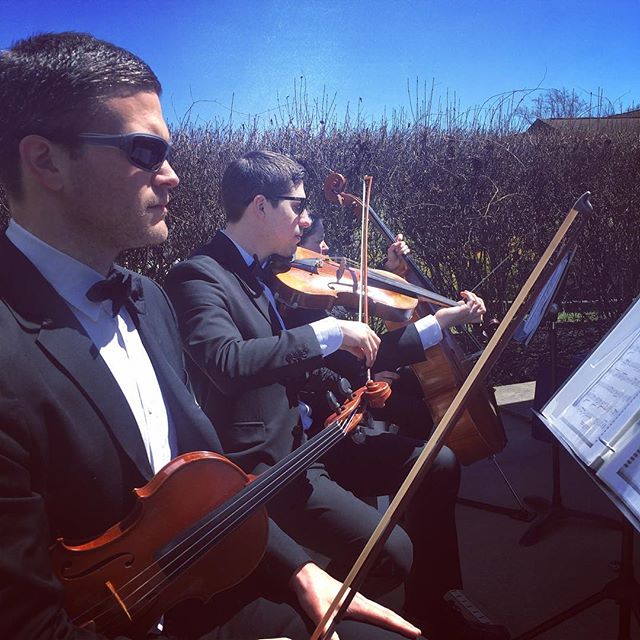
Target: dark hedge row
[{"x": 475, "y": 208}]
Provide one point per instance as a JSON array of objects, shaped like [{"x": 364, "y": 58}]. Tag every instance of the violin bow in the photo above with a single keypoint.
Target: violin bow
[
  {"x": 520, "y": 306},
  {"x": 363, "y": 303}
]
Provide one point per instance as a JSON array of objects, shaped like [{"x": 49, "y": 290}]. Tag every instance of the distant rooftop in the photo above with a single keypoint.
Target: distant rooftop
[{"x": 618, "y": 123}]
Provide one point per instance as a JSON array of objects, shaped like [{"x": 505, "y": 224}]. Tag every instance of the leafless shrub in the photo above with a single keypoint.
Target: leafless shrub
[{"x": 477, "y": 199}]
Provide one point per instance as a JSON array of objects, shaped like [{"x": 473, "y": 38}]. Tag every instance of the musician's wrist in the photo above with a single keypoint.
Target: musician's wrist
[{"x": 302, "y": 579}]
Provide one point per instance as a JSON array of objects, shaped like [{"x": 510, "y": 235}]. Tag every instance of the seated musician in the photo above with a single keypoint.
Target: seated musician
[
  {"x": 93, "y": 395},
  {"x": 247, "y": 370},
  {"x": 406, "y": 407}
]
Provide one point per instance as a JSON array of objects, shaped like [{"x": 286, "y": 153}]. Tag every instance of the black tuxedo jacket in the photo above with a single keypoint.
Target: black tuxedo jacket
[
  {"x": 70, "y": 449},
  {"x": 245, "y": 368}
]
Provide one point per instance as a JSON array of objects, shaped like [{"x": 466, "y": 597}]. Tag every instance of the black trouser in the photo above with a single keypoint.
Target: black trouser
[{"x": 323, "y": 515}]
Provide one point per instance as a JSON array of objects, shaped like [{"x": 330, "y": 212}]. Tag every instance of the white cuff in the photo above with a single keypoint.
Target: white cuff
[
  {"x": 328, "y": 333},
  {"x": 429, "y": 331}
]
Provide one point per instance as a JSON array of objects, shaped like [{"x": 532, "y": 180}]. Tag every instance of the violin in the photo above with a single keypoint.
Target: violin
[
  {"x": 314, "y": 281},
  {"x": 479, "y": 433},
  {"x": 199, "y": 527}
]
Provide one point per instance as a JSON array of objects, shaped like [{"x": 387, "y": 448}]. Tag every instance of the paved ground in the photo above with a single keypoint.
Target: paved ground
[{"x": 522, "y": 586}]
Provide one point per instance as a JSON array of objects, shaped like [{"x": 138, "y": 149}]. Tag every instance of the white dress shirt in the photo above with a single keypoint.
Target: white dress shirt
[{"x": 117, "y": 340}]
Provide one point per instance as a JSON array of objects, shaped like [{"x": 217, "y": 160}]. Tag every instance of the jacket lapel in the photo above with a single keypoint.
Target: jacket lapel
[
  {"x": 223, "y": 250},
  {"x": 40, "y": 310}
]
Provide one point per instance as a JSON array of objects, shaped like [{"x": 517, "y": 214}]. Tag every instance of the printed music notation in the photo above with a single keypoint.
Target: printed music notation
[
  {"x": 594, "y": 410},
  {"x": 595, "y": 413},
  {"x": 622, "y": 473}
]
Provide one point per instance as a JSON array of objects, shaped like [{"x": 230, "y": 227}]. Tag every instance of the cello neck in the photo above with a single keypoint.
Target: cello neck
[{"x": 424, "y": 280}]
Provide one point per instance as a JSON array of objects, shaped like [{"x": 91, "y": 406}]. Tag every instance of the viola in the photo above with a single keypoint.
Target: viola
[
  {"x": 198, "y": 528},
  {"x": 314, "y": 281},
  {"x": 479, "y": 433}
]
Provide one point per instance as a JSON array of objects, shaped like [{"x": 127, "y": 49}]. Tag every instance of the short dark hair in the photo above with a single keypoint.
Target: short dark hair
[
  {"x": 54, "y": 85},
  {"x": 257, "y": 172}
]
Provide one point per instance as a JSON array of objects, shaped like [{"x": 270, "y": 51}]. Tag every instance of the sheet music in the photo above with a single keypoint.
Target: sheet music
[
  {"x": 622, "y": 471},
  {"x": 530, "y": 324},
  {"x": 596, "y": 413},
  {"x": 596, "y": 406}
]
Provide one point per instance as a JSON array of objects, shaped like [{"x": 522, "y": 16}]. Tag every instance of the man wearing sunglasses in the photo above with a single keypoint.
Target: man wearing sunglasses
[
  {"x": 248, "y": 370},
  {"x": 94, "y": 399}
]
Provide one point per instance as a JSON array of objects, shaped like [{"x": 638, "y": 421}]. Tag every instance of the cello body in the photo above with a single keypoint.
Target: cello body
[{"x": 479, "y": 432}]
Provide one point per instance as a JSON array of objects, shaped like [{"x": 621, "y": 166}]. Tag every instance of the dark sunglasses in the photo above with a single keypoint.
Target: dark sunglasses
[
  {"x": 300, "y": 199},
  {"x": 143, "y": 150}
]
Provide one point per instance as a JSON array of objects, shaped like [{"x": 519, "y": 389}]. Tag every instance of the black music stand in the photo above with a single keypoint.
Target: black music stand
[
  {"x": 551, "y": 513},
  {"x": 602, "y": 434},
  {"x": 543, "y": 307},
  {"x": 624, "y": 589},
  {"x": 521, "y": 513}
]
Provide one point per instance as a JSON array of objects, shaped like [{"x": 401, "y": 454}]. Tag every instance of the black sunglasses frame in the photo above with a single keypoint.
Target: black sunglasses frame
[
  {"x": 303, "y": 200},
  {"x": 127, "y": 143}
]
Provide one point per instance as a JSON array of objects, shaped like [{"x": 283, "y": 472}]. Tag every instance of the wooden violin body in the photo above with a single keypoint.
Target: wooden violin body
[
  {"x": 316, "y": 282},
  {"x": 127, "y": 578},
  {"x": 199, "y": 527}
]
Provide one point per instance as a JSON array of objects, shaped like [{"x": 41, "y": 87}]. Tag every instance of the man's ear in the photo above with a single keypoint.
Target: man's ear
[
  {"x": 43, "y": 161},
  {"x": 258, "y": 203}
]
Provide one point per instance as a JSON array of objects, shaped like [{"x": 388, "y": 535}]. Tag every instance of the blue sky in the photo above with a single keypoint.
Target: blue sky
[{"x": 252, "y": 54}]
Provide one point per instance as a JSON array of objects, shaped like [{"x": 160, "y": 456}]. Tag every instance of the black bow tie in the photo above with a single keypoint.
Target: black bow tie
[
  {"x": 123, "y": 289},
  {"x": 258, "y": 271}
]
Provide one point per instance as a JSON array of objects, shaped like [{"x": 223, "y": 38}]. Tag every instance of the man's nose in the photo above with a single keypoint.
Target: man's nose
[
  {"x": 305, "y": 220},
  {"x": 167, "y": 176}
]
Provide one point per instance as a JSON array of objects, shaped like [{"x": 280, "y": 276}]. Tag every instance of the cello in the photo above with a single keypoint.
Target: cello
[{"x": 479, "y": 433}]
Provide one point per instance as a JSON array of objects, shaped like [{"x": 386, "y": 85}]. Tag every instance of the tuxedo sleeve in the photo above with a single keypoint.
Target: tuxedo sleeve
[
  {"x": 215, "y": 323},
  {"x": 282, "y": 558},
  {"x": 399, "y": 348}
]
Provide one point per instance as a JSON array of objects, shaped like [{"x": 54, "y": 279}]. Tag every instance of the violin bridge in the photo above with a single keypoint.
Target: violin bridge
[{"x": 111, "y": 588}]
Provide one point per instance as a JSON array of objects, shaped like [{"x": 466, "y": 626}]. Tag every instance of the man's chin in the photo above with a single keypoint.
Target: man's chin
[{"x": 157, "y": 234}]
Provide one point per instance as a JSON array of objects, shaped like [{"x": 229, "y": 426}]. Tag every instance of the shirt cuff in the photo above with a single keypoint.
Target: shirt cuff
[
  {"x": 328, "y": 334},
  {"x": 429, "y": 331}
]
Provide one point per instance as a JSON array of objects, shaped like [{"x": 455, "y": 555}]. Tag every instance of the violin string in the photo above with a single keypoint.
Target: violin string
[
  {"x": 401, "y": 286},
  {"x": 333, "y": 433},
  {"x": 134, "y": 588},
  {"x": 141, "y": 574},
  {"x": 212, "y": 536}
]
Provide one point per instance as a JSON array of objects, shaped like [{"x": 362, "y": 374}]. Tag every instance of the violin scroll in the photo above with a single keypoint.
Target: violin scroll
[
  {"x": 333, "y": 186},
  {"x": 373, "y": 393}
]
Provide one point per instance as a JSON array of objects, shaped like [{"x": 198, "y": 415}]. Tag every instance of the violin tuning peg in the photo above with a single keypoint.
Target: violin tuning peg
[{"x": 332, "y": 402}]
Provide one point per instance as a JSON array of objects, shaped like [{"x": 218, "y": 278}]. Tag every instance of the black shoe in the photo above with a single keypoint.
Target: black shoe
[{"x": 461, "y": 620}]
